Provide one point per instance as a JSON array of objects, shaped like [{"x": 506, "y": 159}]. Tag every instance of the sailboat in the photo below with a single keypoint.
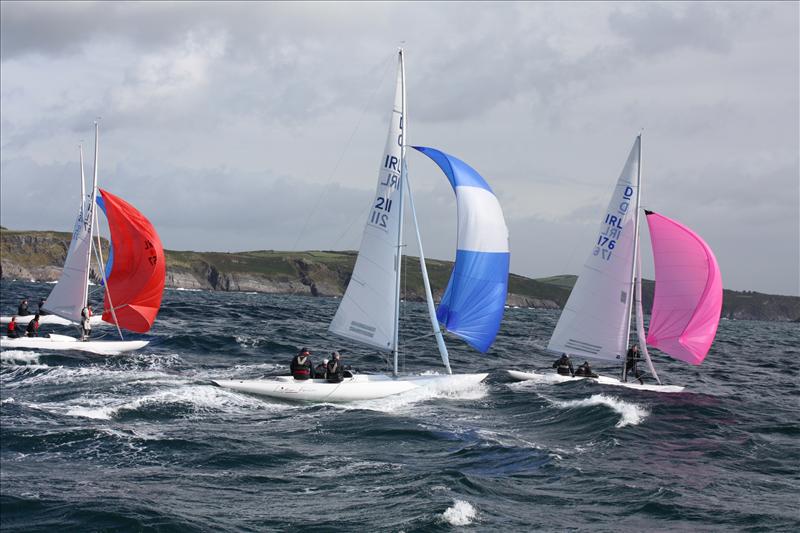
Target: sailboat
[
  {"x": 596, "y": 320},
  {"x": 133, "y": 278},
  {"x": 472, "y": 304},
  {"x": 47, "y": 319}
]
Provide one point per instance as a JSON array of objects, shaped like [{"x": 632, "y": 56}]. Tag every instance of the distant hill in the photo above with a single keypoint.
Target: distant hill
[{"x": 40, "y": 254}]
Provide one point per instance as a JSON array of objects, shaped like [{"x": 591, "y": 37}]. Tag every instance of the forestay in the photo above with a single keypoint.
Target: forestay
[
  {"x": 136, "y": 279},
  {"x": 595, "y": 319},
  {"x": 688, "y": 295},
  {"x": 368, "y": 310},
  {"x": 473, "y": 303}
]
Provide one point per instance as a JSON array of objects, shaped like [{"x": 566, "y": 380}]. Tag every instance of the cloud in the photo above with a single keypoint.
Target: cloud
[
  {"x": 657, "y": 28},
  {"x": 226, "y": 122}
]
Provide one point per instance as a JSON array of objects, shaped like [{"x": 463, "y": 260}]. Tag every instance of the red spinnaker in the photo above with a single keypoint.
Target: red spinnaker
[
  {"x": 688, "y": 299},
  {"x": 136, "y": 282}
]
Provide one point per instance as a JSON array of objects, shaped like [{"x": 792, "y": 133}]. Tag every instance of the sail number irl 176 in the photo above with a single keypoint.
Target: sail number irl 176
[
  {"x": 612, "y": 226},
  {"x": 389, "y": 183}
]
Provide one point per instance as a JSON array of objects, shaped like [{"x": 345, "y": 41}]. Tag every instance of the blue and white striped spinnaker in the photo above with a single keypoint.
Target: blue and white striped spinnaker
[{"x": 473, "y": 303}]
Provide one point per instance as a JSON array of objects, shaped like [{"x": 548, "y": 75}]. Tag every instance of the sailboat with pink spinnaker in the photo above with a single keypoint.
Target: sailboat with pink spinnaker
[{"x": 596, "y": 320}]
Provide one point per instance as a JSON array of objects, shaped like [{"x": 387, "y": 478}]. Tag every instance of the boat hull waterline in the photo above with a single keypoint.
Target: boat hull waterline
[
  {"x": 603, "y": 380},
  {"x": 359, "y": 387},
  {"x": 65, "y": 342}
]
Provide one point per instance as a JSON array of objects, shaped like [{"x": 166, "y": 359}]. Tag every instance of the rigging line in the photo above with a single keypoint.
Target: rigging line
[
  {"x": 361, "y": 216},
  {"x": 324, "y": 189}
]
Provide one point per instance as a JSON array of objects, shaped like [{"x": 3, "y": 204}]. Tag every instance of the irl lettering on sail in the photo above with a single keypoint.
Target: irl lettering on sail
[{"x": 613, "y": 224}]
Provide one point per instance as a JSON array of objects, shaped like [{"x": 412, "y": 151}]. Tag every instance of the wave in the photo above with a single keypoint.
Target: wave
[
  {"x": 462, "y": 513},
  {"x": 19, "y": 356},
  {"x": 192, "y": 399},
  {"x": 631, "y": 413}
]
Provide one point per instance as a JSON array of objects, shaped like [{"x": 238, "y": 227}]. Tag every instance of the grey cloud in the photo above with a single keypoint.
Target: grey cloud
[
  {"x": 245, "y": 111},
  {"x": 659, "y": 28}
]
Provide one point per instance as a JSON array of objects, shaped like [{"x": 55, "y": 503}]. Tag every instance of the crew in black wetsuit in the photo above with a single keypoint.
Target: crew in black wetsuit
[
  {"x": 22, "y": 310},
  {"x": 564, "y": 366},
  {"x": 301, "y": 366},
  {"x": 11, "y": 330},
  {"x": 335, "y": 368},
  {"x": 321, "y": 370},
  {"x": 631, "y": 359},
  {"x": 585, "y": 371},
  {"x": 33, "y": 327},
  {"x": 41, "y": 306}
]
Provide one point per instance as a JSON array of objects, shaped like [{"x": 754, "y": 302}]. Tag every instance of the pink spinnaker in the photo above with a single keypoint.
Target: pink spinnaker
[{"x": 688, "y": 296}]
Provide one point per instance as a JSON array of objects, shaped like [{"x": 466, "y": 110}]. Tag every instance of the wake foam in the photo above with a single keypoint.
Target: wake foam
[
  {"x": 197, "y": 399},
  {"x": 19, "y": 357},
  {"x": 460, "y": 514},
  {"x": 631, "y": 413},
  {"x": 453, "y": 389}
]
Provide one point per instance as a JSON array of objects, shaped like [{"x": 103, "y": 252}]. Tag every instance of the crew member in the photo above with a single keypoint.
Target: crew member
[
  {"x": 86, "y": 323},
  {"x": 585, "y": 370},
  {"x": 41, "y": 306},
  {"x": 33, "y": 327},
  {"x": 22, "y": 309},
  {"x": 564, "y": 366},
  {"x": 11, "y": 330},
  {"x": 301, "y": 366},
  {"x": 631, "y": 360},
  {"x": 335, "y": 368},
  {"x": 321, "y": 370}
]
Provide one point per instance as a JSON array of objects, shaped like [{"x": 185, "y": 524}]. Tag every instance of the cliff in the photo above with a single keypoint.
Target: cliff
[{"x": 39, "y": 255}]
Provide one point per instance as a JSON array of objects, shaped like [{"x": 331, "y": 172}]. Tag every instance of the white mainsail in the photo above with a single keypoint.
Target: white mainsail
[
  {"x": 595, "y": 321},
  {"x": 69, "y": 296},
  {"x": 368, "y": 312}
]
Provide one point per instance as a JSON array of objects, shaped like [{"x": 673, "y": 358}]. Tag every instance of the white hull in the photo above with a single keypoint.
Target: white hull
[
  {"x": 22, "y": 321},
  {"x": 359, "y": 387},
  {"x": 64, "y": 342},
  {"x": 603, "y": 380}
]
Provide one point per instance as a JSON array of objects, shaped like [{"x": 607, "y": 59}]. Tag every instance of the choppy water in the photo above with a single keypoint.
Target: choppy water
[{"x": 144, "y": 442}]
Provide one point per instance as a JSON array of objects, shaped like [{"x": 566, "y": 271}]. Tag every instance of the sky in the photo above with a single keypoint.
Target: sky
[{"x": 247, "y": 126}]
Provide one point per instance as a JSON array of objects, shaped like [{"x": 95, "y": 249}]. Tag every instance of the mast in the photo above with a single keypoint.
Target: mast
[
  {"x": 399, "y": 254},
  {"x": 426, "y": 282},
  {"x": 632, "y": 286},
  {"x": 640, "y": 334},
  {"x": 95, "y": 225},
  {"x": 90, "y": 215}
]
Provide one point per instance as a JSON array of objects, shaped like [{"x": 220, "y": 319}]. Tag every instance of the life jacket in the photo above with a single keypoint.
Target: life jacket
[
  {"x": 301, "y": 369},
  {"x": 33, "y": 325},
  {"x": 12, "y": 326}
]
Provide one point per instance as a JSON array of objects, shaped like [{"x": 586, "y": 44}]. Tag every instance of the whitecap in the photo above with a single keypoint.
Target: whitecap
[
  {"x": 460, "y": 514},
  {"x": 198, "y": 398},
  {"x": 19, "y": 356},
  {"x": 631, "y": 413}
]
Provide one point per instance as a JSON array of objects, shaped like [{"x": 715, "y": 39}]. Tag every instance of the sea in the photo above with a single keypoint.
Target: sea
[{"x": 145, "y": 441}]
